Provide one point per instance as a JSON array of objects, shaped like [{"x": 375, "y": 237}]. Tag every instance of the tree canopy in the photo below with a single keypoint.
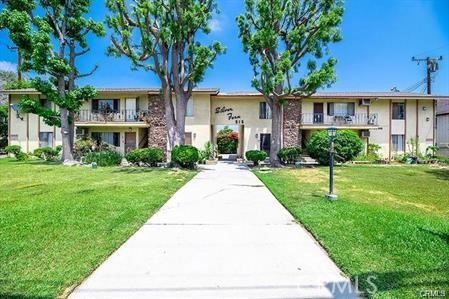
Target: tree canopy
[
  {"x": 161, "y": 36},
  {"x": 287, "y": 41},
  {"x": 50, "y": 36}
]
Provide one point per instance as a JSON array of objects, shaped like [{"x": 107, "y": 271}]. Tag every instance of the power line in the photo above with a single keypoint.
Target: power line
[{"x": 432, "y": 67}]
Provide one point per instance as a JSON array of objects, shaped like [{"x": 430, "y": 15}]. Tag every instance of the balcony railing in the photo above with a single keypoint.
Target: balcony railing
[
  {"x": 358, "y": 119},
  {"x": 104, "y": 116}
]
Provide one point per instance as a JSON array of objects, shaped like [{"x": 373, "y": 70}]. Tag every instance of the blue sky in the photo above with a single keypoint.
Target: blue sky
[{"x": 379, "y": 39}]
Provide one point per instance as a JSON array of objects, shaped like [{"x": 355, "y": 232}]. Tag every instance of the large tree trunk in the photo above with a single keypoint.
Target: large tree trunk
[
  {"x": 72, "y": 130},
  {"x": 276, "y": 133},
  {"x": 66, "y": 136}
]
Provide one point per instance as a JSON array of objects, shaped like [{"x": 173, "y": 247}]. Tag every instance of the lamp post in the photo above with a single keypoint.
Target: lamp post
[{"x": 331, "y": 132}]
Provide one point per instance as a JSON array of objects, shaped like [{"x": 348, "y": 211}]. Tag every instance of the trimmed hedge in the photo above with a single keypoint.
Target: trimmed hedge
[
  {"x": 256, "y": 156},
  {"x": 289, "y": 154},
  {"x": 104, "y": 158},
  {"x": 150, "y": 156},
  {"x": 185, "y": 155},
  {"x": 47, "y": 153},
  {"x": 348, "y": 145},
  {"x": 16, "y": 151}
]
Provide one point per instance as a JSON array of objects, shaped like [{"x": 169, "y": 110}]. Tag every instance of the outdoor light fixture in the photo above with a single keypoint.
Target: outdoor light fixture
[
  {"x": 331, "y": 132},
  {"x": 424, "y": 108},
  {"x": 257, "y": 136},
  {"x": 16, "y": 108}
]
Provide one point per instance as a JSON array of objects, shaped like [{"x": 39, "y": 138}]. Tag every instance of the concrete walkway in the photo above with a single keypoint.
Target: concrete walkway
[{"x": 223, "y": 235}]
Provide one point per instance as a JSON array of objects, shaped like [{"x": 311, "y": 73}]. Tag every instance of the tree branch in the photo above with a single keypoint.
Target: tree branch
[{"x": 89, "y": 73}]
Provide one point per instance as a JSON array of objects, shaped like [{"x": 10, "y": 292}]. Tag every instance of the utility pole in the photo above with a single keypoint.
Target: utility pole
[
  {"x": 19, "y": 61},
  {"x": 432, "y": 67}
]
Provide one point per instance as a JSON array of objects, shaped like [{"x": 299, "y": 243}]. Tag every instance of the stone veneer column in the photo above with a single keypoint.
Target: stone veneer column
[
  {"x": 291, "y": 124},
  {"x": 157, "y": 133}
]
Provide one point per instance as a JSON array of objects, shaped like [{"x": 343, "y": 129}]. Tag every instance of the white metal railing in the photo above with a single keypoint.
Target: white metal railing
[
  {"x": 357, "y": 119},
  {"x": 109, "y": 115}
]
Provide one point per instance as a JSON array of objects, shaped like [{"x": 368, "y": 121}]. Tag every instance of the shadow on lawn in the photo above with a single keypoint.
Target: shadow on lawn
[
  {"x": 442, "y": 174},
  {"x": 442, "y": 235},
  {"x": 137, "y": 170},
  {"x": 425, "y": 279}
]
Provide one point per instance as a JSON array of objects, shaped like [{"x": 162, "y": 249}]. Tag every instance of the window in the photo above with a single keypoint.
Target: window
[
  {"x": 188, "y": 138},
  {"x": 112, "y": 138},
  {"x": 340, "y": 109},
  {"x": 398, "y": 111},
  {"x": 80, "y": 133},
  {"x": 105, "y": 105},
  {"x": 398, "y": 143},
  {"x": 46, "y": 139},
  {"x": 189, "y": 110},
  {"x": 45, "y": 103},
  {"x": 264, "y": 110}
]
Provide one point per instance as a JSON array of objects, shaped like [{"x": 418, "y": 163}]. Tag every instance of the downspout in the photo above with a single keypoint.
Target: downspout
[
  {"x": 9, "y": 119},
  {"x": 389, "y": 130},
  {"x": 417, "y": 128},
  {"x": 434, "y": 121}
]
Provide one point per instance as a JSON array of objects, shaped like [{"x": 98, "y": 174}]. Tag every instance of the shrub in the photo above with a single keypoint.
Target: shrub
[
  {"x": 207, "y": 153},
  {"x": 185, "y": 155},
  {"x": 16, "y": 151},
  {"x": 348, "y": 145},
  {"x": 82, "y": 147},
  {"x": 209, "y": 150},
  {"x": 227, "y": 141},
  {"x": 289, "y": 154},
  {"x": 150, "y": 156},
  {"x": 431, "y": 151},
  {"x": 104, "y": 158},
  {"x": 47, "y": 153},
  {"x": 255, "y": 156},
  {"x": 13, "y": 150}
]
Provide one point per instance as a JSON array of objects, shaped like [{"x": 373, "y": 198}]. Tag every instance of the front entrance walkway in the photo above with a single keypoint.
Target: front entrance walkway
[{"x": 223, "y": 235}]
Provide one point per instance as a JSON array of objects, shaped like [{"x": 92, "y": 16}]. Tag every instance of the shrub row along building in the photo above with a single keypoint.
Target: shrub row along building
[{"x": 131, "y": 118}]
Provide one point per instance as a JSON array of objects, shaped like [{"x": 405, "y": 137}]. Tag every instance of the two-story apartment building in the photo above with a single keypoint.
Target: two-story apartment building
[
  {"x": 443, "y": 127},
  {"x": 130, "y": 118}
]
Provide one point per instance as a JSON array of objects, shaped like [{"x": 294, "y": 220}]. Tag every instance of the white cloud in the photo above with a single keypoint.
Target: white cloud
[
  {"x": 8, "y": 66},
  {"x": 215, "y": 25}
]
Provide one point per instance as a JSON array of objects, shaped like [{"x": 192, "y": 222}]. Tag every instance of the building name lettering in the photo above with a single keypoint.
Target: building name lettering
[{"x": 229, "y": 113}]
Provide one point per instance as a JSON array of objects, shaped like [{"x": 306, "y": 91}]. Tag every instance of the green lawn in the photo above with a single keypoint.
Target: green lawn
[
  {"x": 390, "y": 221},
  {"x": 57, "y": 224}
]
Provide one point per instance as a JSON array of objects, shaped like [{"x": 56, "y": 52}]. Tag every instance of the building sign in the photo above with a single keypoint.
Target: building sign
[
  {"x": 229, "y": 114},
  {"x": 14, "y": 137}
]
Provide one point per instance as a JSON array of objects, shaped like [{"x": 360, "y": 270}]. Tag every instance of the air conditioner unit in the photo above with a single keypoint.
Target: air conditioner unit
[
  {"x": 365, "y": 102},
  {"x": 366, "y": 133},
  {"x": 81, "y": 132}
]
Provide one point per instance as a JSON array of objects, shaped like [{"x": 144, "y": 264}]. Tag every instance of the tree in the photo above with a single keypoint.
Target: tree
[
  {"x": 278, "y": 36},
  {"x": 161, "y": 36},
  {"x": 5, "y": 78},
  {"x": 51, "y": 35}
]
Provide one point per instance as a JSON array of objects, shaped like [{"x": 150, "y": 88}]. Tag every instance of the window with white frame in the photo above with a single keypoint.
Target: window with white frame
[
  {"x": 45, "y": 139},
  {"x": 398, "y": 111},
  {"x": 190, "y": 108},
  {"x": 340, "y": 109},
  {"x": 398, "y": 142},
  {"x": 264, "y": 110},
  {"x": 112, "y": 138}
]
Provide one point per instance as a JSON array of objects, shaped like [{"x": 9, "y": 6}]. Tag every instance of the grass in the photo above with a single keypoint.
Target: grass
[
  {"x": 57, "y": 224},
  {"x": 391, "y": 222}
]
